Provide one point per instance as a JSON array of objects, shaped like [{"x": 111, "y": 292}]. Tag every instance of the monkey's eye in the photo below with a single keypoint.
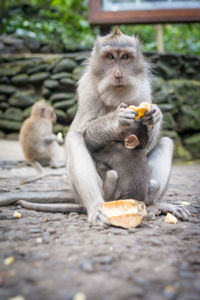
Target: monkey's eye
[
  {"x": 125, "y": 56},
  {"x": 110, "y": 56}
]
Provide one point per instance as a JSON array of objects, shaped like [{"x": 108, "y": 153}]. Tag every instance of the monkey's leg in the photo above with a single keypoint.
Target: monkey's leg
[
  {"x": 37, "y": 166},
  {"x": 160, "y": 160},
  {"x": 110, "y": 184},
  {"x": 84, "y": 180}
]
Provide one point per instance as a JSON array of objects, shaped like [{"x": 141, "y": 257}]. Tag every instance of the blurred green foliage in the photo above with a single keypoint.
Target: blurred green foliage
[{"x": 64, "y": 24}]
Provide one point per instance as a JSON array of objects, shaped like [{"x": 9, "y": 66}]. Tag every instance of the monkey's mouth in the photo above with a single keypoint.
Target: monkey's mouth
[{"x": 118, "y": 86}]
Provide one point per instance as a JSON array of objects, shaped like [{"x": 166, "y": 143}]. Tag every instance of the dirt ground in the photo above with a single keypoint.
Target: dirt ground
[{"x": 63, "y": 257}]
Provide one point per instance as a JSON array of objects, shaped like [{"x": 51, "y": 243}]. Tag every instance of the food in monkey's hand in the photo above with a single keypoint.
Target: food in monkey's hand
[
  {"x": 126, "y": 213},
  {"x": 171, "y": 219},
  {"x": 141, "y": 109}
]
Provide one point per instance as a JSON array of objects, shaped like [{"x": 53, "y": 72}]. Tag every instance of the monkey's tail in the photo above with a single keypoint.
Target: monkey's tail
[
  {"x": 52, "y": 207},
  {"x": 59, "y": 196}
]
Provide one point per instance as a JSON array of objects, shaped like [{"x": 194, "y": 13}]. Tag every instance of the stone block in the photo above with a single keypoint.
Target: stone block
[{"x": 66, "y": 64}]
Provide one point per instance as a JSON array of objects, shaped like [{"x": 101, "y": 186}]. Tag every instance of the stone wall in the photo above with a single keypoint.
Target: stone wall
[{"x": 26, "y": 78}]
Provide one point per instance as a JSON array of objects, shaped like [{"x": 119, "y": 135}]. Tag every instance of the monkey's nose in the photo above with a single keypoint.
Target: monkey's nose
[{"x": 118, "y": 75}]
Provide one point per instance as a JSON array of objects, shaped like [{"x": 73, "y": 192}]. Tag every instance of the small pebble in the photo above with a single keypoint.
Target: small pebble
[
  {"x": 137, "y": 291},
  {"x": 34, "y": 230},
  {"x": 132, "y": 230},
  {"x": 51, "y": 230},
  {"x": 39, "y": 240},
  {"x": 185, "y": 203},
  {"x": 169, "y": 292},
  {"x": 197, "y": 285},
  {"x": 106, "y": 260},
  {"x": 45, "y": 236},
  {"x": 86, "y": 265}
]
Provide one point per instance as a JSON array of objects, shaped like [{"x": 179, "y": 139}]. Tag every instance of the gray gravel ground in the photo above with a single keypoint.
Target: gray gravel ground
[{"x": 59, "y": 256}]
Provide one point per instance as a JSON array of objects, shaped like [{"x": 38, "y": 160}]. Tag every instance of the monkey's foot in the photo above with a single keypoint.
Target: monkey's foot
[
  {"x": 163, "y": 208},
  {"x": 97, "y": 217}
]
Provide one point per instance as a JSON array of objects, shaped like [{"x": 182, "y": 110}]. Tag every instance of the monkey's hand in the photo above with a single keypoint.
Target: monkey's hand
[
  {"x": 50, "y": 138},
  {"x": 96, "y": 216},
  {"x": 163, "y": 208},
  {"x": 152, "y": 117},
  {"x": 125, "y": 115}
]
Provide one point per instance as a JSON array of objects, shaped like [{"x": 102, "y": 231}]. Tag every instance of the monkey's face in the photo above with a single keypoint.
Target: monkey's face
[
  {"x": 117, "y": 68},
  {"x": 47, "y": 112},
  {"x": 41, "y": 109},
  {"x": 118, "y": 63}
]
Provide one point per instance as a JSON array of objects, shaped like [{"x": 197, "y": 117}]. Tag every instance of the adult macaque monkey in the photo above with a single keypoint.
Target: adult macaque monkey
[
  {"x": 117, "y": 75},
  {"x": 37, "y": 140}
]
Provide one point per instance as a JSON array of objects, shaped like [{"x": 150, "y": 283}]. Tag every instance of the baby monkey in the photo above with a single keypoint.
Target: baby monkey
[
  {"x": 124, "y": 167},
  {"x": 37, "y": 140}
]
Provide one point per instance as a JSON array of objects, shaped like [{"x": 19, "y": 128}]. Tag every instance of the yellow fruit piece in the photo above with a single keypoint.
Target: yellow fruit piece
[
  {"x": 126, "y": 213},
  {"x": 141, "y": 109},
  {"x": 9, "y": 260},
  {"x": 17, "y": 215},
  {"x": 171, "y": 219}
]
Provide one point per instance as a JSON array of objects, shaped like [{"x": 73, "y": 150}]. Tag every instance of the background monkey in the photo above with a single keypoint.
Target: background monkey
[
  {"x": 116, "y": 73},
  {"x": 37, "y": 140}
]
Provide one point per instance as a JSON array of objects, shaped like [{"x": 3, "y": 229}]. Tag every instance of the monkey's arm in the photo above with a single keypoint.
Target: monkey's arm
[
  {"x": 152, "y": 120},
  {"x": 100, "y": 131},
  {"x": 106, "y": 129}
]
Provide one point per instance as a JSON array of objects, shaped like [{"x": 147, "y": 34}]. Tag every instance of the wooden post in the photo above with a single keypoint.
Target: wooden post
[{"x": 159, "y": 38}]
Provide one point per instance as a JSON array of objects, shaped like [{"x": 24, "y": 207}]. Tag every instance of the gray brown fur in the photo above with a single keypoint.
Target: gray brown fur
[
  {"x": 131, "y": 165},
  {"x": 36, "y": 134},
  {"x": 37, "y": 140}
]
